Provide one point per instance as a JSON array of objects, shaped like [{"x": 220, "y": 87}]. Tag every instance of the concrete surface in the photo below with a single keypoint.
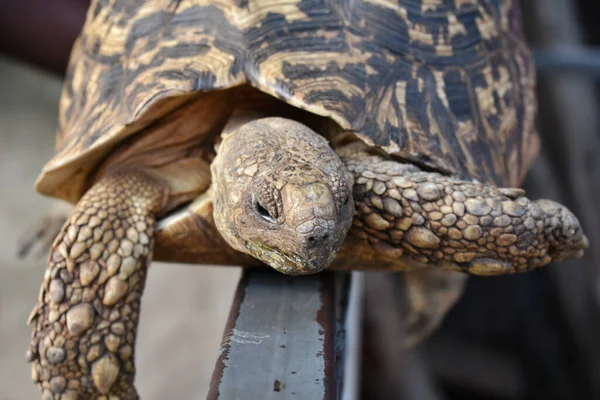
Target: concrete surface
[{"x": 184, "y": 308}]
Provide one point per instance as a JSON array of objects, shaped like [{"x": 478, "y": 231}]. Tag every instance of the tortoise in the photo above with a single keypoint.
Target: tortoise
[{"x": 305, "y": 135}]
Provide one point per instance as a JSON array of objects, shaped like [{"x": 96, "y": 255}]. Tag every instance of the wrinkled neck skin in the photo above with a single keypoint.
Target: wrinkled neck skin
[{"x": 281, "y": 194}]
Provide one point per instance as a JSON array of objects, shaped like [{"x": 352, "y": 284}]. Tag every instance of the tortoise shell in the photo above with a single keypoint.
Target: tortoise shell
[{"x": 446, "y": 84}]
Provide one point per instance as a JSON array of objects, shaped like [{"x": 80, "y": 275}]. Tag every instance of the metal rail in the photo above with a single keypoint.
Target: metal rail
[
  {"x": 286, "y": 337},
  {"x": 568, "y": 59}
]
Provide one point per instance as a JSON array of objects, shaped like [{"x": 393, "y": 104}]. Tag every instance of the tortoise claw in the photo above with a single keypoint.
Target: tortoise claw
[{"x": 563, "y": 231}]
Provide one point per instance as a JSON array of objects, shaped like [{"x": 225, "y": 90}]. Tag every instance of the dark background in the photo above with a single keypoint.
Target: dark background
[{"x": 534, "y": 335}]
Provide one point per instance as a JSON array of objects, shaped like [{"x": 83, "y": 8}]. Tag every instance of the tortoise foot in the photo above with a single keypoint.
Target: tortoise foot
[{"x": 562, "y": 231}]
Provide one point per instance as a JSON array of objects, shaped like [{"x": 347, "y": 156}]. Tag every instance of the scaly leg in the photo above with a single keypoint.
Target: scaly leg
[
  {"x": 432, "y": 219},
  {"x": 86, "y": 318}
]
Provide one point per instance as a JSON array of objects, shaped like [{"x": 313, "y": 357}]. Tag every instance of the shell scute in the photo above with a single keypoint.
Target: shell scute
[{"x": 448, "y": 85}]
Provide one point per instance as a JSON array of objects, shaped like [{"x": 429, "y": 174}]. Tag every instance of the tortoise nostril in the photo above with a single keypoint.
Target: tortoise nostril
[{"x": 317, "y": 239}]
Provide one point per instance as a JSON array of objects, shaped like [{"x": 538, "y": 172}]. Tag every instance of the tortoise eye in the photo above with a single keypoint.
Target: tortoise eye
[
  {"x": 263, "y": 212},
  {"x": 346, "y": 199}
]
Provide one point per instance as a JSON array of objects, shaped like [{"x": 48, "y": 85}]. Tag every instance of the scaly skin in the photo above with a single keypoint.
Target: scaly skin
[
  {"x": 283, "y": 170},
  {"x": 281, "y": 194},
  {"x": 86, "y": 318},
  {"x": 437, "y": 220}
]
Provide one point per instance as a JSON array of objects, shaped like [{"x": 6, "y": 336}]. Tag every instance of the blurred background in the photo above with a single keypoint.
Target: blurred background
[
  {"x": 185, "y": 308},
  {"x": 529, "y": 336},
  {"x": 533, "y": 335}
]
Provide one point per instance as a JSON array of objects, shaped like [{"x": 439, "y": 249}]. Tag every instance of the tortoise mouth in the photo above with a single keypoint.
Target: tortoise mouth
[{"x": 285, "y": 263}]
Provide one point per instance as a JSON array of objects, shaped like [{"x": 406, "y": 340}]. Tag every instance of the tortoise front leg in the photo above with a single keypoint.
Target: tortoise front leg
[
  {"x": 86, "y": 318},
  {"x": 432, "y": 219}
]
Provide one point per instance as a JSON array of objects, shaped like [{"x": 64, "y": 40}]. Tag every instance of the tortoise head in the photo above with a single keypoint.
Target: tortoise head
[{"x": 282, "y": 195}]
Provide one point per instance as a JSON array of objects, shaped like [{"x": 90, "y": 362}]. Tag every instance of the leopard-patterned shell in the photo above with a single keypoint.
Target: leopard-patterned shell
[{"x": 446, "y": 84}]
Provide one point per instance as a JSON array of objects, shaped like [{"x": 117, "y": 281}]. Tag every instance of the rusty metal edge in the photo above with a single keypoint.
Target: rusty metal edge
[
  {"x": 238, "y": 298},
  {"x": 326, "y": 318},
  {"x": 350, "y": 381}
]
